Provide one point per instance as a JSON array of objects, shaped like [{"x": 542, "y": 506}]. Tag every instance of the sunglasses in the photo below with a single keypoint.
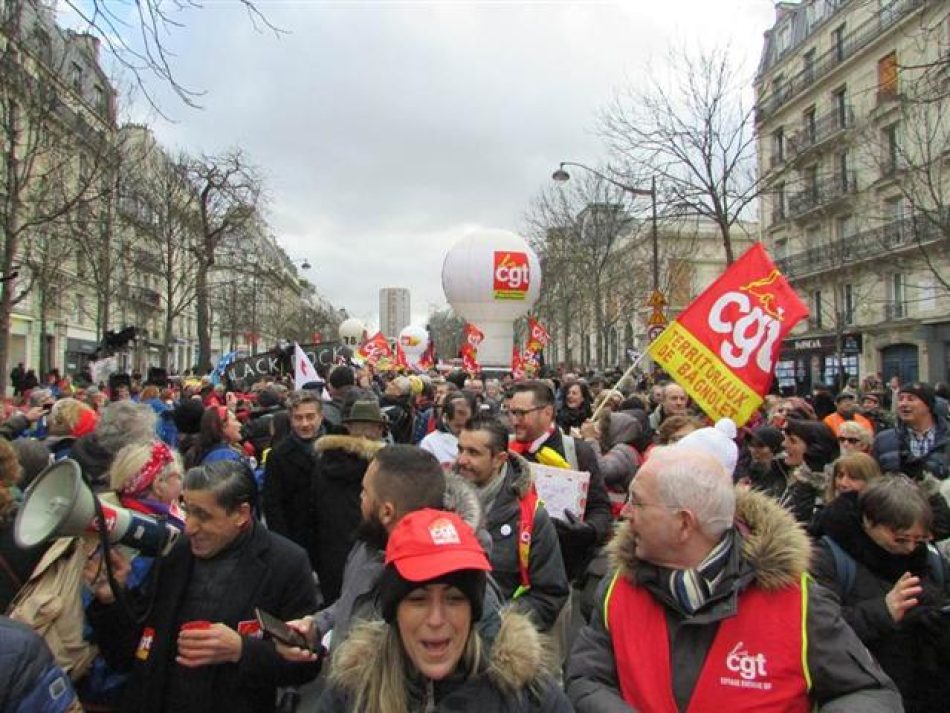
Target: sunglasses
[{"x": 849, "y": 439}]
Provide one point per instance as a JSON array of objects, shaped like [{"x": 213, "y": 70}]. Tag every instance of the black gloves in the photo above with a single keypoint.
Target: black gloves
[{"x": 578, "y": 532}]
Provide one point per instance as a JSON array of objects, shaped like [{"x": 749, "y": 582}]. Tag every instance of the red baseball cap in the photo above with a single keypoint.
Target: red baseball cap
[{"x": 429, "y": 543}]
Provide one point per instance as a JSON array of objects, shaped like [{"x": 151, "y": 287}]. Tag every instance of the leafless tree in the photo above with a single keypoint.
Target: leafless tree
[
  {"x": 693, "y": 132},
  {"x": 445, "y": 330},
  {"x": 229, "y": 196},
  {"x": 56, "y": 152}
]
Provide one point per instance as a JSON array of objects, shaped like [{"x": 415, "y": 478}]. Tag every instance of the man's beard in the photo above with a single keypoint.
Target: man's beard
[{"x": 372, "y": 531}]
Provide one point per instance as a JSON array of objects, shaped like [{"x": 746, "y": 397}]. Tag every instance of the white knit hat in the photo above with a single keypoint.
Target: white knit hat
[{"x": 718, "y": 442}]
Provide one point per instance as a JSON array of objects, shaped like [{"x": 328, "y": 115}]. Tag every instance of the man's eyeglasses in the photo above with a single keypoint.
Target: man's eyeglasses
[{"x": 522, "y": 412}]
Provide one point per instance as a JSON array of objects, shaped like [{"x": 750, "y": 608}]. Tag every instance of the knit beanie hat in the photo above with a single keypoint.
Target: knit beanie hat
[
  {"x": 924, "y": 392},
  {"x": 431, "y": 546},
  {"x": 718, "y": 442}
]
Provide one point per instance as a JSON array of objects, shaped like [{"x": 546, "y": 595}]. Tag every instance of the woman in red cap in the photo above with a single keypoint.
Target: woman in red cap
[{"x": 425, "y": 655}]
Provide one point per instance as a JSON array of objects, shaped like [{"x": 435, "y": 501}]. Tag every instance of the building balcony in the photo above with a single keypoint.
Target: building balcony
[
  {"x": 852, "y": 43},
  {"x": 145, "y": 297},
  {"x": 146, "y": 261},
  {"x": 895, "y": 310},
  {"x": 822, "y": 195},
  {"x": 830, "y": 126},
  {"x": 880, "y": 242}
]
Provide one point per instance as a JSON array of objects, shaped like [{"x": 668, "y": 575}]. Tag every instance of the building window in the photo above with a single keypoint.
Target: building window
[
  {"x": 844, "y": 227},
  {"x": 887, "y": 78},
  {"x": 810, "y": 176},
  {"x": 778, "y": 146},
  {"x": 844, "y": 176},
  {"x": 839, "y": 99},
  {"x": 102, "y": 106},
  {"x": 816, "y": 309},
  {"x": 813, "y": 237},
  {"x": 810, "y": 125},
  {"x": 898, "y": 296},
  {"x": 891, "y": 149},
  {"x": 781, "y": 249},
  {"x": 75, "y": 73},
  {"x": 837, "y": 43},
  {"x": 808, "y": 66},
  {"x": 783, "y": 39},
  {"x": 778, "y": 210},
  {"x": 848, "y": 304}
]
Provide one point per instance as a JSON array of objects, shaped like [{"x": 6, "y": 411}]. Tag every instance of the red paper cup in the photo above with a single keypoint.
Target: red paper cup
[{"x": 197, "y": 624}]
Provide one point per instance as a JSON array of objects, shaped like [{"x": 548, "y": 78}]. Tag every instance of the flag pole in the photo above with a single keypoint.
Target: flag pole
[{"x": 627, "y": 373}]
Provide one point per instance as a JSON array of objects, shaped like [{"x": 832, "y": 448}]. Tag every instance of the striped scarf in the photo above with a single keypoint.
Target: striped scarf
[{"x": 692, "y": 587}]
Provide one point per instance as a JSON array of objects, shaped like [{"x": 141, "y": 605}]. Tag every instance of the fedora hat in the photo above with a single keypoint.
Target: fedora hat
[{"x": 365, "y": 411}]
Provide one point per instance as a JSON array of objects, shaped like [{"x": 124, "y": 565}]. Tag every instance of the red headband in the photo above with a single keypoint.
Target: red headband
[{"x": 160, "y": 457}]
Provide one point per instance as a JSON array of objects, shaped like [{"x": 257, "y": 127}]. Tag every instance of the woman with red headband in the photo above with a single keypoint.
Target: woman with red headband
[{"x": 425, "y": 654}]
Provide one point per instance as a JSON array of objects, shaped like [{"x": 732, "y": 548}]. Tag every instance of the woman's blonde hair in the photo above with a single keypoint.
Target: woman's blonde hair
[
  {"x": 860, "y": 466},
  {"x": 130, "y": 460},
  {"x": 65, "y": 415},
  {"x": 383, "y": 690}
]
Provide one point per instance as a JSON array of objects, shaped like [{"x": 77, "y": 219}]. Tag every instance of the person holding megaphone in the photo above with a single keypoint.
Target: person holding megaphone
[{"x": 191, "y": 639}]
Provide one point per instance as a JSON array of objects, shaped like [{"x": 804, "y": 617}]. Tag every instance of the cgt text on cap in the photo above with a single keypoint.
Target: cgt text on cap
[{"x": 429, "y": 543}]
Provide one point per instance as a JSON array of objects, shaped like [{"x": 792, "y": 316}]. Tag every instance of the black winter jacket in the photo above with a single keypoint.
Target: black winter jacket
[
  {"x": 288, "y": 492},
  {"x": 549, "y": 587},
  {"x": 914, "y": 653},
  {"x": 337, "y": 483},
  {"x": 513, "y": 678},
  {"x": 272, "y": 573}
]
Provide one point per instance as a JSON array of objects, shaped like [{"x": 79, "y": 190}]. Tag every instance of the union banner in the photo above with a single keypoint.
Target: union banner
[{"x": 722, "y": 348}]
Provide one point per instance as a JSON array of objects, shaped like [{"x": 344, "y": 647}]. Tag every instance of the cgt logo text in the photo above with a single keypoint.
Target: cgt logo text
[
  {"x": 512, "y": 275},
  {"x": 750, "y": 668}
]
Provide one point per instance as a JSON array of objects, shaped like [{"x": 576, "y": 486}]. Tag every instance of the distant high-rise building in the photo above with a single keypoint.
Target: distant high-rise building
[{"x": 393, "y": 310}]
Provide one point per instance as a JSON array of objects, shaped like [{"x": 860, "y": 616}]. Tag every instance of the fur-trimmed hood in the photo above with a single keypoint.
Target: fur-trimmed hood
[
  {"x": 519, "y": 474},
  {"x": 774, "y": 545},
  {"x": 357, "y": 445},
  {"x": 461, "y": 498},
  {"x": 517, "y": 657}
]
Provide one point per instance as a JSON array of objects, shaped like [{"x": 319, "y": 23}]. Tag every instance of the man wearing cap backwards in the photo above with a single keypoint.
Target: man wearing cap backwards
[
  {"x": 920, "y": 443},
  {"x": 337, "y": 483},
  {"x": 537, "y": 438},
  {"x": 704, "y": 615},
  {"x": 427, "y": 654},
  {"x": 199, "y": 648},
  {"x": 532, "y": 577}
]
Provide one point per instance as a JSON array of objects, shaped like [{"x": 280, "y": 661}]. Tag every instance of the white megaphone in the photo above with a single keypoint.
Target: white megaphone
[{"x": 60, "y": 504}]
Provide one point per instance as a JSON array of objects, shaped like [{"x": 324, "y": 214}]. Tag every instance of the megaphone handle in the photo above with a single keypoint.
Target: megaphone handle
[{"x": 118, "y": 590}]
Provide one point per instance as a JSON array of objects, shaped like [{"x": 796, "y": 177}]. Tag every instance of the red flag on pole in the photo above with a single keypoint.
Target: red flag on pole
[
  {"x": 722, "y": 349},
  {"x": 472, "y": 335},
  {"x": 470, "y": 359},
  {"x": 374, "y": 349},
  {"x": 517, "y": 364}
]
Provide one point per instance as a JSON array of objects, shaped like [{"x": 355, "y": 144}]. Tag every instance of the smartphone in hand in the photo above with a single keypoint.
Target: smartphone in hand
[{"x": 279, "y": 631}]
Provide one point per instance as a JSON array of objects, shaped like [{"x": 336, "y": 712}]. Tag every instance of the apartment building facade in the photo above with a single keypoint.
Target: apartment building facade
[{"x": 851, "y": 148}]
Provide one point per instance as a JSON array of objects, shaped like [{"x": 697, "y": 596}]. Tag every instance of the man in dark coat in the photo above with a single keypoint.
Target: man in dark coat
[
  {"x": 920, "y": 443},
  {"x": 337, "y": 483},
  {"x": 200, "y": 649},
  {"x": 288, "y": 480},
  {"x": 538, "y": 439}
]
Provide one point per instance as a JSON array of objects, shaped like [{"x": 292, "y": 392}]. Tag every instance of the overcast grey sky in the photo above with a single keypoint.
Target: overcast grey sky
[{"x": 387, "y": 131}]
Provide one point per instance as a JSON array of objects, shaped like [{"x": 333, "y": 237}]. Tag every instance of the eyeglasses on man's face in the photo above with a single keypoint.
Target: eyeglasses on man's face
[{"x": 522, "y": 412}]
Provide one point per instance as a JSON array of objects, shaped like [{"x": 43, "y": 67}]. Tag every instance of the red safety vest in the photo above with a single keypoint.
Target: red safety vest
[{"x": 757, "y": 661}]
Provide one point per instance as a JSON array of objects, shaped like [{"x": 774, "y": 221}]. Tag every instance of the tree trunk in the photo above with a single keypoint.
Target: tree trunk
[
  {"x": 203, "y": 318},
  {"x": 167, "y": 337}
]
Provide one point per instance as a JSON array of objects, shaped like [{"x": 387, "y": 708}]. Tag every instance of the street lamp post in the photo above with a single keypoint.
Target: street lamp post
[{"x": 657, "y": 301}]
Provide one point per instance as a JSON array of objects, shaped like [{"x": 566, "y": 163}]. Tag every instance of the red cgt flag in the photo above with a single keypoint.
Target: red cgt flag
[
  {"x": 470, "y": 359},
  {"x": 472, "y": 335},
  {"x": 517, "y": 363},
  {"x": 374, "y": 349},
  {"x": 722, "y": 349}
]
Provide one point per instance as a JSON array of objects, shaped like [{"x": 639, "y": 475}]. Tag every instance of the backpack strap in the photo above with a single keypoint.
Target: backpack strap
[
  {"x": 845, "y": 568},
  {"x": 935, "y": 560},
  {"x": 528, "y": 507},
  {"x": 570, "y": 451}
]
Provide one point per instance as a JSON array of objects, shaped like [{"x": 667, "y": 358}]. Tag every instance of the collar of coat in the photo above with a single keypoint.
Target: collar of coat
[
  {"x": 517, "y": 658},
  {"x": 357, "y": 445},
  {"x": 773, "y": 545},
  {"x": 518, "y": 473}
]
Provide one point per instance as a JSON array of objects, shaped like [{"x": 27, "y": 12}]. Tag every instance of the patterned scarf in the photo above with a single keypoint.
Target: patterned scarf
[{"x": 692, "y": 587}]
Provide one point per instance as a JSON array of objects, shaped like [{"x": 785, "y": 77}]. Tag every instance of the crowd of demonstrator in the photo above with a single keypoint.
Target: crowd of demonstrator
[{"x": 393, "y": 523}]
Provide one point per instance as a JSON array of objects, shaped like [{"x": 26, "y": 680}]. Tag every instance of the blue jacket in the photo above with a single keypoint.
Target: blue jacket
[
  {"x": 30, "y": 680},
  {"x": 892, "y": 452}
]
